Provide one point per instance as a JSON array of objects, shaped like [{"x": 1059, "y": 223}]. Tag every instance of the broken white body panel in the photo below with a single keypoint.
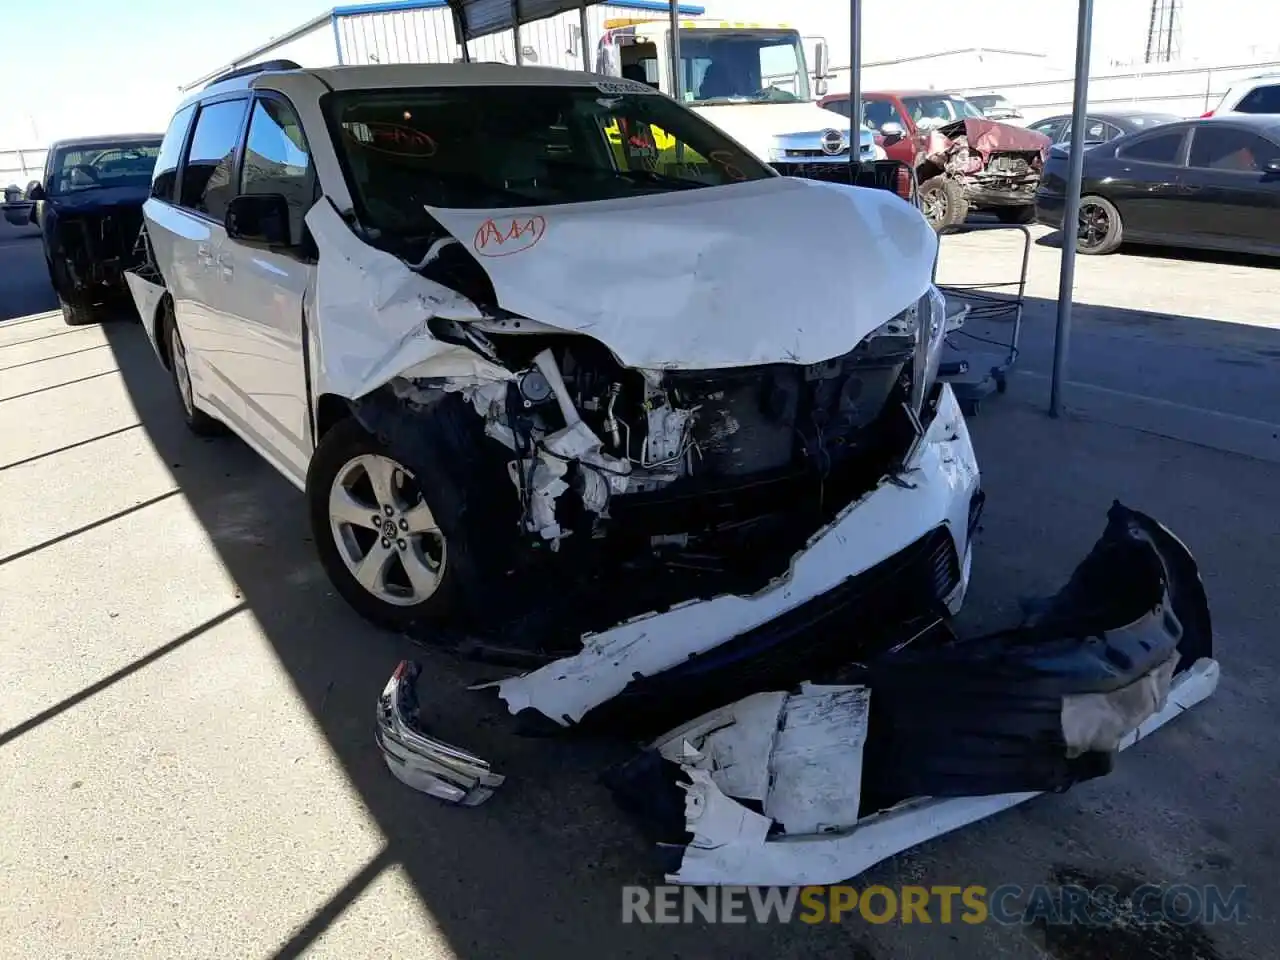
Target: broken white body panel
[
  {"x": 688, "y": 279},
  {"x": 934, "y": 489},
  {"x": 778, "y": 749}
]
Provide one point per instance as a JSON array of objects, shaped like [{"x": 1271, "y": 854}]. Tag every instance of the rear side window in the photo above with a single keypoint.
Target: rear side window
[
  {"x": 1050, "y": 128},
  {"x": 1219, "y": 148},
  {"x": 1260, "y": 100},
  {"x": 208, "y": 181},
  {"x": 166, "y": 171},
  {"x": 1160, "y": 148}
]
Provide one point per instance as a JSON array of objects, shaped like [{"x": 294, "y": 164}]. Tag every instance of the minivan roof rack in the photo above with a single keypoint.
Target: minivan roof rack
[{"x": 252, "y": 68}]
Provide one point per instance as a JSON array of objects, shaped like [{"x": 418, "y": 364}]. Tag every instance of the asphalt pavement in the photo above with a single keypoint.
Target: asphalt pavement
[{"x": 187, "y": 766}]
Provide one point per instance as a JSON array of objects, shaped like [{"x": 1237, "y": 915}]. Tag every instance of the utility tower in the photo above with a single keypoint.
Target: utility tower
[{"x": 1164, "y": 35}]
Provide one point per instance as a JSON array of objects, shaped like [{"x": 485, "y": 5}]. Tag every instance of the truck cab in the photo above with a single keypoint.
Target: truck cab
[{"x": 751, "y": 80}]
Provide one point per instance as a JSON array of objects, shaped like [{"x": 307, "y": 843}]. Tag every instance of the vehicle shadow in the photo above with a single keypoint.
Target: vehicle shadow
[
  {"x": 538, "y": 869},
  {"x": 1157, "y": 252}
]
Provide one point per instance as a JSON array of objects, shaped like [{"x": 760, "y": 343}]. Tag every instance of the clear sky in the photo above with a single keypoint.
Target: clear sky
[{"x": 76, "y": 67}]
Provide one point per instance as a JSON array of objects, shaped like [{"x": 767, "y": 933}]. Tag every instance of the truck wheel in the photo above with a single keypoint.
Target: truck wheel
[
  {"x": 75, "y": 314},
  {"x": 1100, "y": 230},
  {"x": 1025, "y": 214},
  {"x": 942, "y": 202}
]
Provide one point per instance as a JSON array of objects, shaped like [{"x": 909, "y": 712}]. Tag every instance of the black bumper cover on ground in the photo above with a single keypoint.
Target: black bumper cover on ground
[{"x": 971, "y": 717}]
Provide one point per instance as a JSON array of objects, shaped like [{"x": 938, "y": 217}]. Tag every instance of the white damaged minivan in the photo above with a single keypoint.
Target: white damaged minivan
[{"x": 555, "y": 394}]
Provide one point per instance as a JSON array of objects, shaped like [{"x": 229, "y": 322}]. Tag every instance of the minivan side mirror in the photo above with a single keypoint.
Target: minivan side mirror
[{"x": 259, "y": 219}]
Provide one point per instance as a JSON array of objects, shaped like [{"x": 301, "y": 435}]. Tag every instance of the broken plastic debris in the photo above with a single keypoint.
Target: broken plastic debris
[{"x": 419, "y": 761}]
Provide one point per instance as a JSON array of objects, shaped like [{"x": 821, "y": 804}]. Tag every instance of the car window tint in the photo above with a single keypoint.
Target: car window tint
[
  {"x": 1160, "y": 148},
  {"x": 876, "y": 113},
  {"x": 1110, "y": 131},
  {"x": 1219, "y": 148},
  {"x": 1049, "y": 128},
  {"x": 839, "y": 106},
  {"x": 207, "y": 184},
  {"x": 276, "y": 159},
  {"x": 166, "y": 171},
  {"x": 1260, "y": 100}
]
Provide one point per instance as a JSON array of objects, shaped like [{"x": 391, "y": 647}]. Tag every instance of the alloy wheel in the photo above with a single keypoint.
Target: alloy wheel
[
  {"x": 384, "y": 530},
  {"x": 1093, "y": 226}
]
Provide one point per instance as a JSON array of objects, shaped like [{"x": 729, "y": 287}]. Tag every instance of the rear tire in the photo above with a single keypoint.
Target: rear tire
[
  {"x": 1025, "y": 214},
  {"x": 1100, "y": 230},
  {"x": 350, "y": 472},
  {"x": 197, "y": 421},
  {"x": 942, "y": 202}
]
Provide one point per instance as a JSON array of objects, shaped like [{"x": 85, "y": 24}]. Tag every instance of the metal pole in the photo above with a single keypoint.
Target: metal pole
[
  {"x": 459, "y": 26},
  {"x": 1071, "y": 207},
  {"x": 677, "y": 85},
  {"x": 515, "y": 30},
  {"x": 582, "y": 29},
  {"x": 855, "y": 88}
]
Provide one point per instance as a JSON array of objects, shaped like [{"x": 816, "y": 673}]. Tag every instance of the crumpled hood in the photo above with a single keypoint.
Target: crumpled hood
[
  {"x": 768, "y": 271},
  {"x": 758, "y": 126},
  {"x": 990, "y": 136}
]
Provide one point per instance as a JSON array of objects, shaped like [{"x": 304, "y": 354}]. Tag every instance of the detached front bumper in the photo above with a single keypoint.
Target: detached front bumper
[{"x": 910, "y": 534}]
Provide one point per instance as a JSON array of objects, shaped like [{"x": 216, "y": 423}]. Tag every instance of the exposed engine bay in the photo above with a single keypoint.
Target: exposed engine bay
[
  {"x": 996, "y": 164},
  {"x": 674, "y": 485}
]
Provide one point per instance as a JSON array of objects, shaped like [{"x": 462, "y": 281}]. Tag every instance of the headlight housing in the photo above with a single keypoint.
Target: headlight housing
[
  {"x": 931, "y": 312},
  {"x": 925, "y": 323}
]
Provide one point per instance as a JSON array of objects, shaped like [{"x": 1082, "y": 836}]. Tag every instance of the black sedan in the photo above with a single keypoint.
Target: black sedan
[
  {"x": 1101, "y": 127},
  {"x": 89, "y": 208},
  {"x": 1212, "y": 184}
]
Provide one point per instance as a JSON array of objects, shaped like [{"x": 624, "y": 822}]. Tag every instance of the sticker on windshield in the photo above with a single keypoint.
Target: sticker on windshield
[
  {"x": 393, "y": 138},
  {"x": 623, "y": 86},
  {"x": 502, "y": 238}
]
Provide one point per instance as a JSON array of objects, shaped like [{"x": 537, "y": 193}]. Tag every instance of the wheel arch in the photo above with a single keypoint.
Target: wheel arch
[{"x": 331, "y": 410}]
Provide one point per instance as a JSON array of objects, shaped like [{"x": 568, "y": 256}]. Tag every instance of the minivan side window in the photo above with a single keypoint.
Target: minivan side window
[
  {"x": 276, "y": 159},
  {"x": 208, "y": 181},
  {"x": 166, "y": 172},
  {"x": 1161, "y": 148}
]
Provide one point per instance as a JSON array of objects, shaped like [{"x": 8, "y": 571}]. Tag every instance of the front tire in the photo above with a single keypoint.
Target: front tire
[
  {"x": 942, "y": 202},
  {"x": 374, "y": 529},
  {"x": 76, "y": 314},
  {"x": 1099, "y": 230}
]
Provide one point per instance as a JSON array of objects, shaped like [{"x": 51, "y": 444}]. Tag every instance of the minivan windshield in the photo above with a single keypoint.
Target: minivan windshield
[
  {"x": 403, "y": 150},
  {"x": 92, "y": 166}
]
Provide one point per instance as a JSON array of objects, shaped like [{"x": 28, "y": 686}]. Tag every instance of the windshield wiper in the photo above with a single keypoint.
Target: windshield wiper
[{"x": 650, "y": 176}]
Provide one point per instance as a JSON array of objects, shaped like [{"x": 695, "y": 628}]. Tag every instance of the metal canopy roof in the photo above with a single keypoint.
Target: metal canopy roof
[{"x": 479, "y": 18}]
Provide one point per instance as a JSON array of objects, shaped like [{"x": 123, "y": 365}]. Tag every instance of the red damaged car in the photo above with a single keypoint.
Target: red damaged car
[{"x": 963, "y": 160}]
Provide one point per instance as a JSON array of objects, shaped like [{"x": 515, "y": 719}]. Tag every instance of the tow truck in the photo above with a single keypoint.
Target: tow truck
[{"x": 750, "y": 79}]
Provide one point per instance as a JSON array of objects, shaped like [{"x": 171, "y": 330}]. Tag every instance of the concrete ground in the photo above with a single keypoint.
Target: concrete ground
[{"x": 187, "y": 766}]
